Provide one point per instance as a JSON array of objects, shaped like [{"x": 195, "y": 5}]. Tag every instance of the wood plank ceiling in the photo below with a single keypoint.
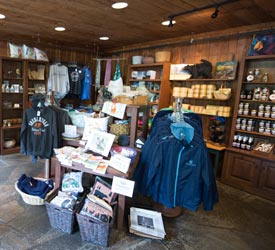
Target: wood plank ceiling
[{"x": 86, "y": 20}]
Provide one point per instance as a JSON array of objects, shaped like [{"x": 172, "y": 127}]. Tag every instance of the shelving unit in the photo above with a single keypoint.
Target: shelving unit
[
  {"x": 198, "y": 104},
  {"x": 159, "y": 87},
  {"x": 245, "y": 167},
  {"x": 15, "y": 85}
]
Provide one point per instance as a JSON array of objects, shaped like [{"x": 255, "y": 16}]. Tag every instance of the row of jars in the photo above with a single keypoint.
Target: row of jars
[
  {"x": 258, "y": 94},
  {"x": 263, "y": 110},
  {"x": 245, "y": 124},
  {"x": 243, "y": 142}
]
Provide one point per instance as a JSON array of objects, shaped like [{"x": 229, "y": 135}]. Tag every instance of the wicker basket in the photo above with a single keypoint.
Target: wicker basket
[
  {"x": 222, "y": 94},
  {"x": 61, "y": 218},
  {"x": 94, "y": 231},
  {"x": 163, "y": 56},
  {"x": 31, "y": 199}
]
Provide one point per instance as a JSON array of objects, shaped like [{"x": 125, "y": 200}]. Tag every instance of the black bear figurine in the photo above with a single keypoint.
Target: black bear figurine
[{"x": 200, "y": 70}]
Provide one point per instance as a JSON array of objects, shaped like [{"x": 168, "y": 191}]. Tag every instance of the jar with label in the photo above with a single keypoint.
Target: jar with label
[
  {"x": 265, "y": 77},
  {"x": 261, "y": 107},
  {"x": 235, "y": 139},
  {"x": 241, "y": 104},
  {"x": 267, "y": 108},
  {"x": 272, "y": 114},
  {"x": 249, "y": 95},
  {"x": 243, "y": 94},
  {"x": 261, "y": 123},
  {"x": 260, "y": 113},
  {"x": 246, "y": 105},
  {"x": 267, "y": 114},
  {"x": 267, "y": 124},
  {"x": 267, "y": 130},
  {"x": 7, "y": 89},
  {"x": 257, "y": 73},
  {"x": 261, "y": 129},
  {"x": 253, "y": 112},
  {"x": 240, "y": 138},
  {"x": 244, "y": 141},
  {"x": 249, "y": 144},
  {"x": 250, "y": 122},
  {"x": 249, "y": 128},
  {"x": 257, "y": 93},
  {"x": 272, "y": 96},
  {"x": 250, "y": 76}
]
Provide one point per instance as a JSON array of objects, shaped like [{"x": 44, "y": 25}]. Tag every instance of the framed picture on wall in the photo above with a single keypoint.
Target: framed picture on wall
[
  {"x": 226, "y": 70},
  {"x": 262, "y": 45}
]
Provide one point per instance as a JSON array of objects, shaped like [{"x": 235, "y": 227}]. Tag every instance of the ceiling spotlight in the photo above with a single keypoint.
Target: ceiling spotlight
[
  {"x": 166, "y": 23},
  {"x": 59, "y": 29},
  {"x": 119, "y": 5},
  {"x": 104, "y": 38},
  {"x": 171, "y": 24},
  {"x": 215, "y": 13},
  {"x": 2, "y": 16}
]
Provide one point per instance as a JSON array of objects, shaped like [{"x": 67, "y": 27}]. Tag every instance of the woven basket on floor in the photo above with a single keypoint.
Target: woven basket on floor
[
  {"x": 93, "y": 230},
  {"x": 61, "y": 218},
  {"x": 31, "y": 199}
]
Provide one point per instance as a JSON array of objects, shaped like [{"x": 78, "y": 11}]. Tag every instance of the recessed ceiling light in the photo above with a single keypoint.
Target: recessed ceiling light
[
  {"x": 166, "y": 23},
  {"x": 119, "y": 5},
  {"x": 104, "y": 38},
  {"x": 59, "y": 28},
  {"x": 2, "y": 16}
]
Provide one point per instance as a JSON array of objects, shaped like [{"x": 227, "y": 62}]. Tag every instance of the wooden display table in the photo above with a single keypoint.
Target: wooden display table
[{"x": 110, "y": 173}]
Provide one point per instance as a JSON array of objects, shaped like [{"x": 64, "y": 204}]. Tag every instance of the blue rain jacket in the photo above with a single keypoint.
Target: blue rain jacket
[{"x": 176, "y": 170}]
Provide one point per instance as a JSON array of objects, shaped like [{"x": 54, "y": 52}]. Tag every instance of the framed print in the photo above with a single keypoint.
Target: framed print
[
  {"x": 226, "y": 70},
  {"x": 262, "y": 45},
  {"x": 100, "y": 142}
]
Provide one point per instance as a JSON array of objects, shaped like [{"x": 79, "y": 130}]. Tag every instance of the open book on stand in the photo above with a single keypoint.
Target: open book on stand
[{"x": 146, "y": 223}]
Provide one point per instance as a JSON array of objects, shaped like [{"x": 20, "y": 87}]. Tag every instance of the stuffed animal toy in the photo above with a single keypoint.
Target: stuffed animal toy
[{"x": 201, "y": 70}]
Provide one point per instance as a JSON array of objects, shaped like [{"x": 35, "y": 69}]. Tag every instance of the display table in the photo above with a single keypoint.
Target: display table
[{"x": 110, "y": 173}]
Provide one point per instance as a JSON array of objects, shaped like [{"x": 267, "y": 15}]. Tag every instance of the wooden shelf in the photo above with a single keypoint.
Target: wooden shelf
[
  {"x": 202, "y": 99},
  {"x": 204, "y": 80},
  {"x": 17, "y": 126},
  {"x": 260, "y": 83},
  {"x": 11, "y": 150},
  {"x": 13, "y": 78},
  {"x": 146, "y": 65},
  {"x": 34, "y": 80},
  {"x": 253, "y": 153},
  {"x": 12, "y": 108},
  {"x": 254, "y": 133},
  {"x": 257, "y": 101},
  {"x": 257, "y": 117},
  {"x": 144, "y": 80}
]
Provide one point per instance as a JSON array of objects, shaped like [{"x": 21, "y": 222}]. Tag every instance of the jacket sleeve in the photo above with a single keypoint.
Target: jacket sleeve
[{"x": 23, "y": 135}]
